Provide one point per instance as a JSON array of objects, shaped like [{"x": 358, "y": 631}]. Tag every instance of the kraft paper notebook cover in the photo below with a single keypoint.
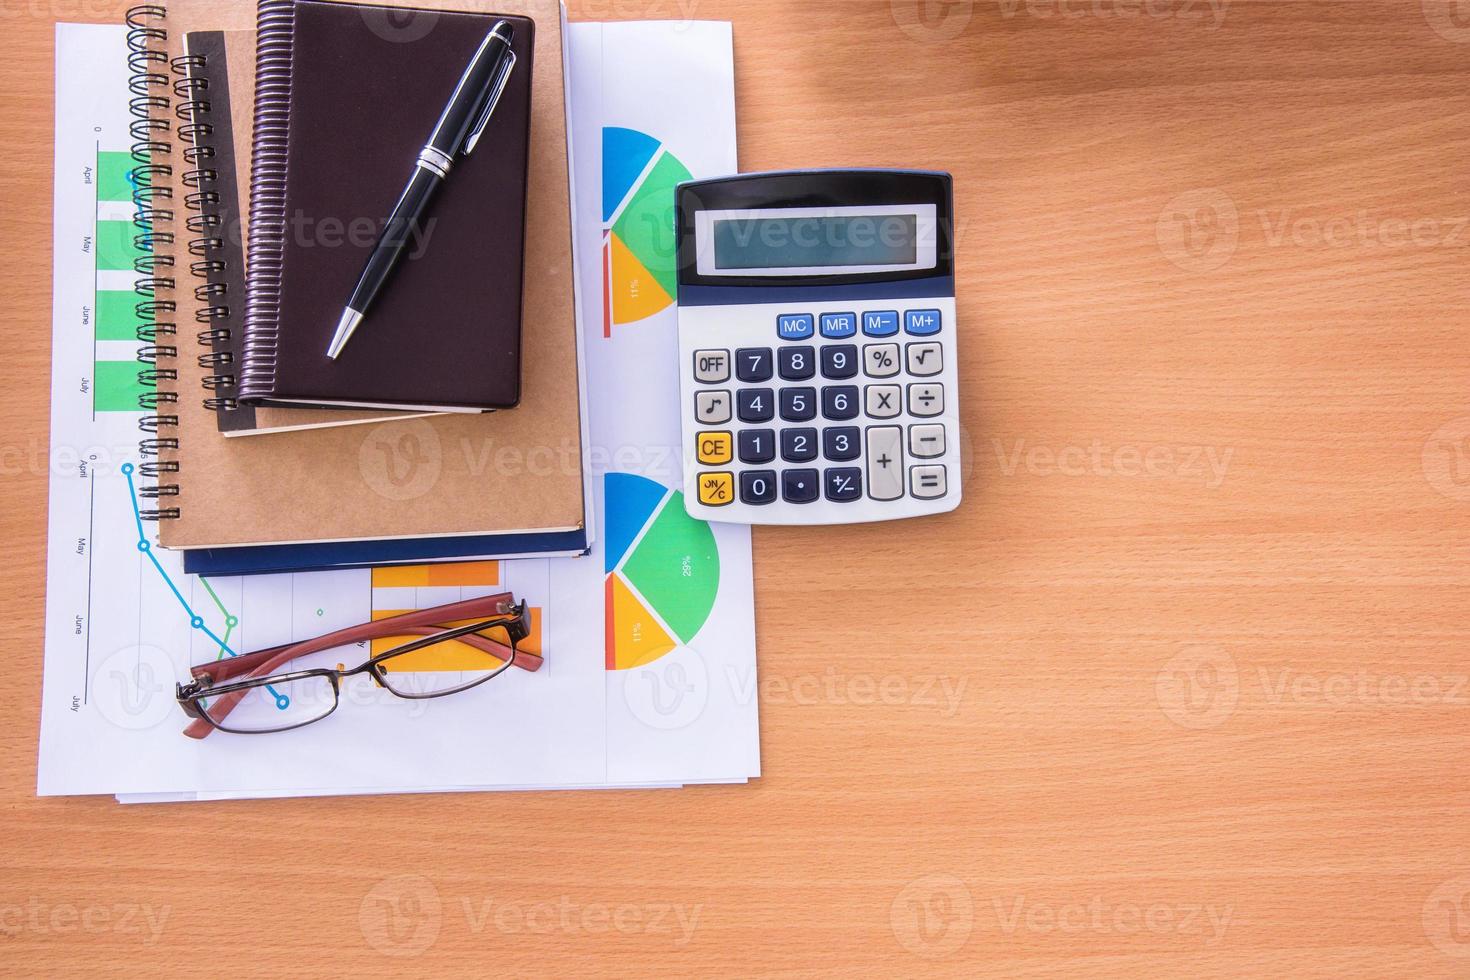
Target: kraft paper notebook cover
[
  {"x": 219, "y": 84},
  {"x": 342, "y": 109},
  {"x": 440, "y": 475}
]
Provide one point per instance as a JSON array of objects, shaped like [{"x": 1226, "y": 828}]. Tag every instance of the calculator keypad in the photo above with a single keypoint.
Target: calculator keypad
[{"x": 842, "y": 411}]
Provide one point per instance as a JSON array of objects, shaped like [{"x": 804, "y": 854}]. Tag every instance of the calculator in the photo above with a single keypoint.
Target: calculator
[{"x": 817, "y": 346}]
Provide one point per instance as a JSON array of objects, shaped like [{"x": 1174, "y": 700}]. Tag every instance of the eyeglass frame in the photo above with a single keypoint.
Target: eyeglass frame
[{"x": 502, "y": 611}]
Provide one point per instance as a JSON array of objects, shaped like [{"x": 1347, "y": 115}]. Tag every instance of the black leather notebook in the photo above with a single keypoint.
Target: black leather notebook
[{"x": 346, "y": 95}]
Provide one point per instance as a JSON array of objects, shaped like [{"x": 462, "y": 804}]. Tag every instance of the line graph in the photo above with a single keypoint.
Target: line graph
[{"x": 196, "y": 621}]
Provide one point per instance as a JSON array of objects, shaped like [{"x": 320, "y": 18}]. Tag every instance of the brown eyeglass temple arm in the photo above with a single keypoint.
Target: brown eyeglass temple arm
[
  {"x": 225, "y": 703},
  {"x": 248, "y": 664}
]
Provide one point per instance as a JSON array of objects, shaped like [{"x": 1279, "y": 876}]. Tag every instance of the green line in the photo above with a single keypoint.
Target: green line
[
  {"x": 213, "y": 595},
  {"x": 230, "y": 621}
]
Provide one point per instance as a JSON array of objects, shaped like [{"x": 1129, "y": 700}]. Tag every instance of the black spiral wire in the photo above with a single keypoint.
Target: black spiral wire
[
  {"x": 153, "y": 237},
  {"x": 202, "y": 197}
]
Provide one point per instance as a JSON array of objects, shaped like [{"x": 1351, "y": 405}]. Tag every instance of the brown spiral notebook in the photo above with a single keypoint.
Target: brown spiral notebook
[
  {"x": 344, "y": 99},
  {"x": 219, "y": 77},
  {"x": 441, "y": 475}
]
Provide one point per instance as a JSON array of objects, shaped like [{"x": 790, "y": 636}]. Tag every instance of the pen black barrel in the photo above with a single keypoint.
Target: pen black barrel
[
  {"x": 472, "y": 92},
  {"x": 404, "y": 232}
]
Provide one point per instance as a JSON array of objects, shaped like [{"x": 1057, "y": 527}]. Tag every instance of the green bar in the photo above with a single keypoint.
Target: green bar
[
  {"x": 112, "y": 176},
  {"x": 117, "y": 315},
  {"x": 115, "y": 245},
  {"x": 116, "y": 387}
]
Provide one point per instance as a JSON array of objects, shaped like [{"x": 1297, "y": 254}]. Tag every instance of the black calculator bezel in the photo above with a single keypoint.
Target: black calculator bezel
[{"x": 815, "y": 189}]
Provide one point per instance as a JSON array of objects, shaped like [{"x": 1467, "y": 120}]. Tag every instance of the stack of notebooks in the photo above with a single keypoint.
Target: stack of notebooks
[{"x": 453, "y": 425}]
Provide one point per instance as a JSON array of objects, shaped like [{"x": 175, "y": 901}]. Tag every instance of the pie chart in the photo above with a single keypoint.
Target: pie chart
[
  {"x": 638, "y": 262},
  {"x": 663, "y": 571}
]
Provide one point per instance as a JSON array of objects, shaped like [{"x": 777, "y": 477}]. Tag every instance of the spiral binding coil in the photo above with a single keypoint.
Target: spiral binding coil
[
  {"x": 202, "y": 198},
  {"x": 276, "y": 22},
  {"x": 153, "y": 216}
]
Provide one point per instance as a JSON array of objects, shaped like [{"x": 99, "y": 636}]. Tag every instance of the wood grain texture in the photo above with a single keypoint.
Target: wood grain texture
[{"x": 1179, "y": 691}]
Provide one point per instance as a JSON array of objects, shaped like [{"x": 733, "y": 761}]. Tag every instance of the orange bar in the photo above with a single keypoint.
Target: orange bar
[
  {"x": 531, "y": 644},
  {"x": 480, "y": 573},
  {"x": 473, "y": 573}
]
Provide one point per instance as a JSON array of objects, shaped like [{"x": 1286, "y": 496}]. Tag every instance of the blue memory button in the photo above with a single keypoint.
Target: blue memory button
[
  {"x": 838, "y": 325},
  {"x": 794, "y": 326},
  {"x": 883, "y": 323},
  {"x": 921, "y": 323}
]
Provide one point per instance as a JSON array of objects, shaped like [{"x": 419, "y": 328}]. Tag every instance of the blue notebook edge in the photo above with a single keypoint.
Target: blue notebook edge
[{"x": 267, "y": 559}]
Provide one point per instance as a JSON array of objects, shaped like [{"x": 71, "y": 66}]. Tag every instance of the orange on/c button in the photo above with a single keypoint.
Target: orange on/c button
[
  {"x": 715, "y": 448},
  {"x": 716, "y": 489}
]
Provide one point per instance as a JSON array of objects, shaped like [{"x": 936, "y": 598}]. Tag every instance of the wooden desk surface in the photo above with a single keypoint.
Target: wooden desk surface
[{"x": 1180, "y": 690}]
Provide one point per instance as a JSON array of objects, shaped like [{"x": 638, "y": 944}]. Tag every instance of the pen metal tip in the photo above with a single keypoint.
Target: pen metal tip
[{"x": 345, "y": 326}]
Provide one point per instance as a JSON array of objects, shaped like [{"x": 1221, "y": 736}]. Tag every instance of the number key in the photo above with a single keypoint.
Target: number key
[
  {"x": 798, "y": 404},
  {"x": 798, "y": 445},
  {"x": 755, "y": 404},
  {"x": 757, "y": 486},
  {"x": 839, "y": 361},
  {"x": 757, "y": 445},
  {"x": 841, "y": 443},
  {"x": 840, "y": 402},
  {"x": 753, "y": 364},
  {"x": 796, "y": 363}
]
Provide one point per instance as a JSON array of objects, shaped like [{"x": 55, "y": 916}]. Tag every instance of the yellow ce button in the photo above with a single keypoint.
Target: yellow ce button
[{"x": 715, "y": 448}]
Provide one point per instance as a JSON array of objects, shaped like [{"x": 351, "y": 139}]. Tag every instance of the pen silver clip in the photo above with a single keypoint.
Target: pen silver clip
[{"x": 495, "y": 93}]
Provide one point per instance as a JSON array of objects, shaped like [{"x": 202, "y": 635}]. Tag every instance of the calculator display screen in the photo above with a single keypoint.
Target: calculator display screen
[
  {"x": 816, "y": 241},
  {"x": 812, "y": 240}
]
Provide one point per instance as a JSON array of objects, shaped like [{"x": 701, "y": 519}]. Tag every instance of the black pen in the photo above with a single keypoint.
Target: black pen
[{"x": 457, "y": 131}]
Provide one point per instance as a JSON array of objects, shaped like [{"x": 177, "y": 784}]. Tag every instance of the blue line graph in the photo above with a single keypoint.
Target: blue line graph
[{"x": 195, "y": 620}]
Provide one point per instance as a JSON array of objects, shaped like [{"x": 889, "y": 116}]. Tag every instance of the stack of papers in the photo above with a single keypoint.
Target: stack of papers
[{"x": 649, "y": 642}]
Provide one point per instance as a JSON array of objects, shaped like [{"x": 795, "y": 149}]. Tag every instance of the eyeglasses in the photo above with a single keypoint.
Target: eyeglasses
[{"x": 243, "y": 695}]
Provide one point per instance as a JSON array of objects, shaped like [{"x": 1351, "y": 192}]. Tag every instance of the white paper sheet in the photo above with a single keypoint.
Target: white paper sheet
[{"x": 124, "y": 622}]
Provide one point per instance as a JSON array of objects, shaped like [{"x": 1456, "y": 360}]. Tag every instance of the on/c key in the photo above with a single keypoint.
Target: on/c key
[{"x": 716, "y": 489}]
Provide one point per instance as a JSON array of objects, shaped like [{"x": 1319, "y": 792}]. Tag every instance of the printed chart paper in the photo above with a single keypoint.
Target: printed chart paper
[{"x": 124, "y": 622}]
